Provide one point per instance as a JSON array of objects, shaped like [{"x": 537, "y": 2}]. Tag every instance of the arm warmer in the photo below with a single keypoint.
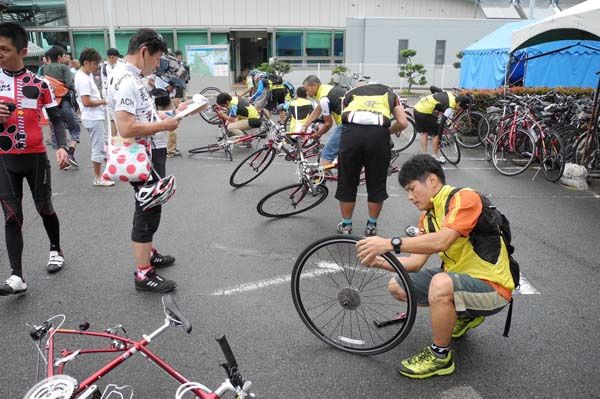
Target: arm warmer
[{"x": 56, "y": 117}]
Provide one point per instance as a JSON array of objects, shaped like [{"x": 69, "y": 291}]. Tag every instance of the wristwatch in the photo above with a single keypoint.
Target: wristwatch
[{"x": 397, "y": 243}]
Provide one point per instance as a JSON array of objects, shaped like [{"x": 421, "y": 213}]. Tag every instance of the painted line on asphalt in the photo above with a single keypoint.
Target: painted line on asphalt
[
  {"x": 325, "y": 268},
  {"x": 462, "y": 392},
  {"x": 525, "y": 287},
  {"x": 250, "y": 252}
]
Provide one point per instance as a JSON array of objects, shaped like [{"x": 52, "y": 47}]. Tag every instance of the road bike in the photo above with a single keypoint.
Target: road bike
[
  {"x": 209, "y": 114},
  {"x": 310, "y": 190},
  {"x": 58, "y": 385},
  {"x": 346, "y": 304}
]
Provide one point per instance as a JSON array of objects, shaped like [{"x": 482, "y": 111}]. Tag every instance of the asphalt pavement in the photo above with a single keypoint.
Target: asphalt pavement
[{"x": 221, "y": 242}]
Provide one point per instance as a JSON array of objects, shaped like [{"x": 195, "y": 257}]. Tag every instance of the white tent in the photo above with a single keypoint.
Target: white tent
[
  {"x": 33, "y": 50},
  {"x": 580, "y": 22}
]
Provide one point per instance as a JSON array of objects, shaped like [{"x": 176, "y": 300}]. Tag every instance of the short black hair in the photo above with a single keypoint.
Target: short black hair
[
  {"x": 55, "y": 53},
  {"x": 301, "y": 92},
  {"x": 311, "y": 80},
  {"x": 90, "y": 55},
  {"x": 147, "y": 37},
  {"x": 16, "y": 33},
  {"x": 69, "y": 54},
  {"x": 223, "y": 98},
  {"x": 418, "y": 168},
  {"x": 178, "y": 52}
]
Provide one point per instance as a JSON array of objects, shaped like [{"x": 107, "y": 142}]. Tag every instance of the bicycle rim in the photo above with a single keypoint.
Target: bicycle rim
[
  {"x": 340, "y": 300},
  {"x": 205, "y": 149},
  {"x": 252, "y": 166},
  {"x": 404, "y": 139},
  {"x": 291, "y": 200},
  {"x": 209, "y": 115},
  {"x": 467, "y": 134},
  {"x": 513, "y": 152},
  {"x": 553, "y": 160},
  {"x": 449, "y": 148}
]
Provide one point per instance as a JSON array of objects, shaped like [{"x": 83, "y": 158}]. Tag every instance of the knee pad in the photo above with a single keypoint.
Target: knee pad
[{"x": 145, "y": 225}]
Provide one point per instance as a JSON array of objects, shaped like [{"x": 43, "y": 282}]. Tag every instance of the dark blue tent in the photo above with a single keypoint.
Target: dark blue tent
[{"x": 484, "y": 63}]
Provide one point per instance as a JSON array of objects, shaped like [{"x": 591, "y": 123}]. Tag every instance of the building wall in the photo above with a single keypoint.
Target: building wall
[
  {"x": 228, "y": 14},
  {"x": 372, "y": 45}
]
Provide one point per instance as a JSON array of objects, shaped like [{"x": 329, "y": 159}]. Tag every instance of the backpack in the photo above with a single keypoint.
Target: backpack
[
  {"x": 59, "y": 88},
  {"x": 275, "y": 79},
  {"x": 493, "y": 223}
]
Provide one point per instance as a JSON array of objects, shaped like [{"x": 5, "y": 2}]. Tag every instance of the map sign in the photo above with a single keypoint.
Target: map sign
[{"x": 208, "y": 60}]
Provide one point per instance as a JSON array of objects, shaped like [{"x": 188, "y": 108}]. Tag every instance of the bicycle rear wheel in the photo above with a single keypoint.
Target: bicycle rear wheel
[
  {"x": 466, "y": 131},
  {"x": 344, "y": 303},
  {"x": 553, "y": 159},
  {"x": 404, "y": 139},
  {"x": 252, "y": 166},
  {"x": 513, "y": 152},
  {"x": 587, "y": 154},
  {"x": 291, "y": 200},
  {"x": 209, "y": 115},
  {"x": 449, "y": 148}
]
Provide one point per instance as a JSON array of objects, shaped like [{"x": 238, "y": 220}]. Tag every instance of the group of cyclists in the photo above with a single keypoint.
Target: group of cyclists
[{"x": 468, "y": 287}]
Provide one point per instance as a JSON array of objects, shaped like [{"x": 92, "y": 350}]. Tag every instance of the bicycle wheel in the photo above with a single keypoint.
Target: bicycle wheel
[
  {"x": 466, "y": 132},
  {"x": 449, "y": 147},
  {"x": 252, "y": 166},
  {"x": 404, "y": 139},
  {"x": 487, "y": 124},
  {"x": 209, "y": 115},
  {"x": 553, "y": 160},
  {"x": 591, "y": 154},
  {"x": 205, "y": 149},
  {"x": 344, "y": 303},
  {"x": 291, "y": 200},
  {"x": 513, "y": 152}
]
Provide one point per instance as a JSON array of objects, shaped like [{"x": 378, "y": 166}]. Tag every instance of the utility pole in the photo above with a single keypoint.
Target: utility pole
[
  {"x": 112, "y": 42},
  {"x": 531, "y": 9}
]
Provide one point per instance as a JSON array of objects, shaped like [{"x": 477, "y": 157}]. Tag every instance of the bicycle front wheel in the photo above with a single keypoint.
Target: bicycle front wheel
[
  {"x": 513, "y": 152},
  {"x": 467, "y": 134},
  {"x": 252, "y": 166},
  {"x": 347, "y": 305},
  {"x": 449, "y": 148},
  {"x": 209, "y": 115},
  {"x": 291, "y": 200},
  {"x": 205, "y": 149},
  {"x": 404, "y": 139},
  {"x": 553, "y": 160}
]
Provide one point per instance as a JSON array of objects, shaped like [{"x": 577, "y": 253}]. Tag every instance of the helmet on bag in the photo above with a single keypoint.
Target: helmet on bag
[{"x": 156, "y": 192}]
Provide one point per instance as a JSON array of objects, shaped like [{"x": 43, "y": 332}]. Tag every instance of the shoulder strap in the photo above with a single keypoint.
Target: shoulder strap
[{"x": 447, "y": 205}]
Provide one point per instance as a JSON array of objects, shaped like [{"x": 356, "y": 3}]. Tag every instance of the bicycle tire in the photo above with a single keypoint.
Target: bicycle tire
[
  {"x": 553, "y": 158},
  {"x": 315, "y": 277},
  {"x": 450, "y": 148},
  {"x": 301, "y": 190},
  {"x": 592, "y": 163},
  {"x": 511, "y": 162},
  {"x": 208, "y": 114},
  {"x": 205, "y": 149},
  {"x": 466, "y": 133},
  {"x": 404, "y": 139},
  {"x": 487, "y": 124},
  {"x": 260, "y": 160}
]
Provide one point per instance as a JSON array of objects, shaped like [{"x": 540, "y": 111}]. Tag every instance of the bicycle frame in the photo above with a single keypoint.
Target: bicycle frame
[{"x": 129, "y": 348}]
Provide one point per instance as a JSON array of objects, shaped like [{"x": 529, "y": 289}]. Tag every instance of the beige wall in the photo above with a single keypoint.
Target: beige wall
[{"x": 227, "y": 14}]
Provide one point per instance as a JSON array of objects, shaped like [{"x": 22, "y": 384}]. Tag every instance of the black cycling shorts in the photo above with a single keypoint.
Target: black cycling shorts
[
  {"x": 426, "y": 123},
  {"x": 35, "y": 168},
  {"x": 277, "y": 98},
  {"x": 368, "y": 147}
]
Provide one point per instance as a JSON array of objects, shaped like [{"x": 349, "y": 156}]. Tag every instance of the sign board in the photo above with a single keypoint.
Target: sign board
[{"x": 208, "y": 60}]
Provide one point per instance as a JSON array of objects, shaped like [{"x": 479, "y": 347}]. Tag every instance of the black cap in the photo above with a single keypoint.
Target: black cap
[{"x": 113, "y": 51}]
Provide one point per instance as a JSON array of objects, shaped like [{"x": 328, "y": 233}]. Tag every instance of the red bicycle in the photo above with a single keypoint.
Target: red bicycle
[{"x": 57, "y": 385}]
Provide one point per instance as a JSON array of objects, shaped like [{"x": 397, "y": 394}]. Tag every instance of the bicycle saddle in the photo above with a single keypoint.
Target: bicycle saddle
[{"x": 175, "y": 313}]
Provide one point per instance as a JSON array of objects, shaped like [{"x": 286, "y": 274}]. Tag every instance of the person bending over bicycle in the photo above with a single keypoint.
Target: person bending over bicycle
[
  {"x": 23, "y": 156},
  {"x": 474, "y": 281},
  {"x": 242, "y": 115},
  {"x": 426, "y": 121},
  {"x": 300, "y": 109},
  {"x": 330, "y": 107}
]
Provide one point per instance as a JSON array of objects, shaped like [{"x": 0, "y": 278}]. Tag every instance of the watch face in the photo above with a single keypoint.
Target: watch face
[{"x": 395, "y": 241}]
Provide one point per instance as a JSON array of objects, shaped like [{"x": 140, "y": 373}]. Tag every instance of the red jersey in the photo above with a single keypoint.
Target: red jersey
[{"x": 22, "y": 133}]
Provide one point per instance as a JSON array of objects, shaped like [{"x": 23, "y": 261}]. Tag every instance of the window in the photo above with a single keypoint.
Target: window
[
  {"x": 318, "y": 44},
  {"x": 89, "y": 39},
  {"x": 402, "y": 45},
  {"x": 338, "y": 44},
  {"x": 440, "y": 52},
  {"x": 35, "y": 13},
  {"x": 219, "y": 38},
  {"x": 288, "y": 44}
]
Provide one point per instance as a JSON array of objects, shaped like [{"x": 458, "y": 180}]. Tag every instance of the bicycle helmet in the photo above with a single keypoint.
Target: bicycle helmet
[
  {"x": 464, "y": 99},
  {"x": 156, "y": 192},
  {"x": 291, "y": 88}
]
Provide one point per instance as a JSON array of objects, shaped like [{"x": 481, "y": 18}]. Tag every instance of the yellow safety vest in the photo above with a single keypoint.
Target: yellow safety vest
[
  {"x": 326, "y": 91},
  {"x": 427, "y": 105},
  {"x": 300, "y": 109},
  {"x": 245, "y": 110}
]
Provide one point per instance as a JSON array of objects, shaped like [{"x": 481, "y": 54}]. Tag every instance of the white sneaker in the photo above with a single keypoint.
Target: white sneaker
[
  {"x": 13, "y": 285},
  {"x": 56, "y": 262},
  {"x": 103, "y": 183},
  {"x": 441, "y": 159}
]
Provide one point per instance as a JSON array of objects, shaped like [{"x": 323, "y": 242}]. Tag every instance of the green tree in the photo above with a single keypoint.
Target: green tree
[
  {"x": 277, "y": 67},
  {"x": 414, "y": 73},
  {"x": 337, "y": 72},
  {"x": 458, "y": 64}
]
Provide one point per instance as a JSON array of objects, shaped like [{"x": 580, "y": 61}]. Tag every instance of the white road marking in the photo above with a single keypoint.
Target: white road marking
[
  {"x": 326, "y": 268},
  {"x": 525, "y": 287},
  {"x": 250, "y": 252},
  {"x": 464, "y": 392}
]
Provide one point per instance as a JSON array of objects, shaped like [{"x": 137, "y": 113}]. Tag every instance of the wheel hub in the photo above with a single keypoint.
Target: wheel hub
[{"x": 349, "y": 298}]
